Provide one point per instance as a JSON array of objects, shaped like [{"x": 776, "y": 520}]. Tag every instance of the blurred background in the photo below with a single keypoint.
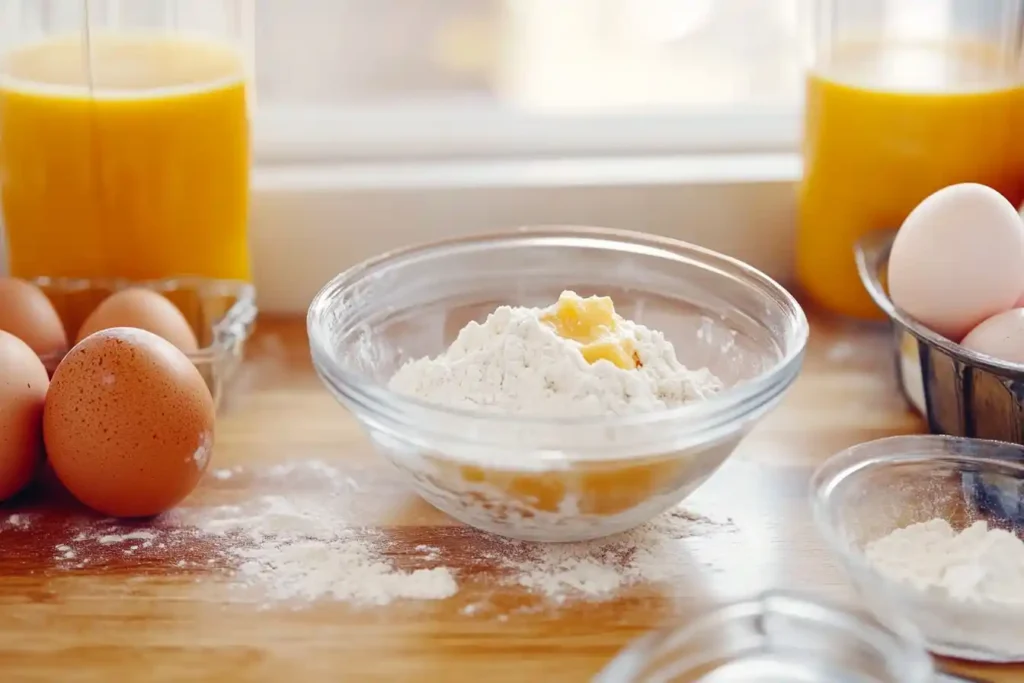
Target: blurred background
[
  {"x": 539, "y": 55},
  {"x": 425, "y": 119},
  {"x": 446, "y": 78},
  {"x": 379, "y": 123}
]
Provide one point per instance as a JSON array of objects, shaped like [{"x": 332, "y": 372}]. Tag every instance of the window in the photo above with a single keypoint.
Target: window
[
  {"x": 385, "y": 122},
  {"x": 448, "y": 79}
]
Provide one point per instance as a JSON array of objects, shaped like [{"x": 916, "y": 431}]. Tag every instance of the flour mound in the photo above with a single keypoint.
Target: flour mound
[
  {"x": 978, "y": 564},
  {"x": 515, "y": 364}
]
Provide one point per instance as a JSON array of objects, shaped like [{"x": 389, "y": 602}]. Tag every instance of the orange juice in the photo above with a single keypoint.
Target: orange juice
[
  {"x": 884, "y": 128},
  {"x": 129, "y": 159}
]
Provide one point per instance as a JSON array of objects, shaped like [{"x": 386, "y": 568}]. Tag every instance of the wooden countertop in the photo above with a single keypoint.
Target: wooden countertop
[{"x": 166, "y": 615}]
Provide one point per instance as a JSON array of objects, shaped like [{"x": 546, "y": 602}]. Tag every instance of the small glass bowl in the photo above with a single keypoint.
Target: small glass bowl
[
  {"x": 776, "y": 637},
  {"x": 865, "y": 492},
  {"x": 222, "y": 313},
  {"x": 549, "y": 479}
]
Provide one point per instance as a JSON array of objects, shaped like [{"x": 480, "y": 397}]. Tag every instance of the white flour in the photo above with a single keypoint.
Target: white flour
[
  {"x": 978, "y": 564},
  {"x": 299, "y": 549},
  {"x": 513, "y": 363},
  {"x": 600, "y": 568},
  {"x": 17, "y": 521},
  {"x": 283, "y": 551}
]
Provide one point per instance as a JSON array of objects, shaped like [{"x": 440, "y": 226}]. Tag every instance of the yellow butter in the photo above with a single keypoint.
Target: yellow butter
[{"x": 594, "y": 325}]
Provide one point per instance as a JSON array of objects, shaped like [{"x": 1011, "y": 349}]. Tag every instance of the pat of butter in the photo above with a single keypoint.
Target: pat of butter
[
  {"x": 594, "y": 325},
  {"x": 619, "y": 352}
]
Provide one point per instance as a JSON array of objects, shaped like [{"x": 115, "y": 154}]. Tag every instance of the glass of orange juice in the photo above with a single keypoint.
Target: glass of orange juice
[
  {"x": 903, "y": 98},
  {"x": 125, "y": 137}
]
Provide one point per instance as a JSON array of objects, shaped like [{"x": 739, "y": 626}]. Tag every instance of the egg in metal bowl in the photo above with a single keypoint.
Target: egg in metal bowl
[{"x": 958, "y": 391}]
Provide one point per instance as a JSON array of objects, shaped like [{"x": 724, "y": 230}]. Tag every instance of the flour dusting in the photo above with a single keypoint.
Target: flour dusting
[
  {"x": 17, "y": 521},
  {"x": 302, "y": 551},
  {"x": 296, "y": 549},
  {"x": 597, "y": 569},
  {"x": 110, "y": 539},
  {"x": 977, "y": 564},
  {"x": 514, "y": 363}
]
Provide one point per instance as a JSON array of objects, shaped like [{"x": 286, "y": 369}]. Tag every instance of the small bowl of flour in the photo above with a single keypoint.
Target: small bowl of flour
[
  {"x": 912, "y": 520},
  {"x": 556, "y": 384}
]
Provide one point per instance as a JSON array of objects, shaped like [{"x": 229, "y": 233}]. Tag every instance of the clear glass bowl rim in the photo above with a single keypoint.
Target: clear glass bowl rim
[
  {"x": 726, "y": 406},
  {"x": 894, "y": 450},
  {"x": 634, "y": 659}
]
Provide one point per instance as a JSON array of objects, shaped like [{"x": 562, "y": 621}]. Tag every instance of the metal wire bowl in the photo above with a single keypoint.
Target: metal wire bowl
[{"x": 959, "y": 392}]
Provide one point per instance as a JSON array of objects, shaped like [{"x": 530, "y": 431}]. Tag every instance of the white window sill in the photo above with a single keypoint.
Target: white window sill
[
  {"x": 310, "y": 221},
  {"x": 474, "y": 130}
]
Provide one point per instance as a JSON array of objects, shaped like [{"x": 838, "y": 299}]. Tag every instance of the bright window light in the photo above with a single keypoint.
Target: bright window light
[{"x": 499, "y": 78}]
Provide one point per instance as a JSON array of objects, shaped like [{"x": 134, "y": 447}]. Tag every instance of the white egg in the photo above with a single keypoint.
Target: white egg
[
  {"x": 1001, "y": 336},
  {"x": 958, "y": 259}
]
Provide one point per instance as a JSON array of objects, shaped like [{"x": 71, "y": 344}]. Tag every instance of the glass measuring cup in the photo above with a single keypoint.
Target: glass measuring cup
[
  {"x": 903, "y": 97},
  {"x": 124, "y": 137}
]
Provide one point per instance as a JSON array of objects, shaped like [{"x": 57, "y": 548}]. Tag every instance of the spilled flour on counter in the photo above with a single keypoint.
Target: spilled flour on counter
[
  {"x": 17, "y": 521},
  {"x": 296, "y": 549},
  {"x": 300, "y": 552},
  {"x": 283, "y": 551},
  {"x": 597, "y": 569}
]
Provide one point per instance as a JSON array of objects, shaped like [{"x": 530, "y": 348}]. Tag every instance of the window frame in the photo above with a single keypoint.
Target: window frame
[
  {"x": 309, "y": 222},
  {"x": 455, "y": 131},
  {"x": 332, "y": 186}
]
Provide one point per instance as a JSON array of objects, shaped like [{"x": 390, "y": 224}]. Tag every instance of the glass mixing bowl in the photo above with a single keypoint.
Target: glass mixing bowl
[
  {"x": 545, "y": 478},
  {"x": 866, "y": 492}
]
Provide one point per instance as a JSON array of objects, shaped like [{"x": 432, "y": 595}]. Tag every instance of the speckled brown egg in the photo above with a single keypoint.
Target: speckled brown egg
[
  {"x": 128, "y": 423},
  {"x": 145, "y": 310},
  {"x": 23, "y": 382},
  {"x": 27, "y": 313}
]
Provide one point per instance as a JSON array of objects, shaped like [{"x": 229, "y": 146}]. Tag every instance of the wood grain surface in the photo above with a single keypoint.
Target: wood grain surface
[{"x": 168, "y": 615}]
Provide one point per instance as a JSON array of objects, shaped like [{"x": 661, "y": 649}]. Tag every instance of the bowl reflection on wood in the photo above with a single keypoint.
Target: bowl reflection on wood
[{"x": 958, "y": 391}]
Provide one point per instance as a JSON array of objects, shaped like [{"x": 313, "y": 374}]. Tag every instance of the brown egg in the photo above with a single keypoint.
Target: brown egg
[
  {"x": 143, "y": 309},
  {"x": 128, "y": 423},
  {"x": 26, "y": 313},
  {"x": 23, "y": 382}
]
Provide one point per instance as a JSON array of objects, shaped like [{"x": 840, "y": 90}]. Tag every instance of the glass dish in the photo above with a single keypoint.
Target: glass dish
[
  {"x": 776, "y": 637},
  {"x": 222, "y": 313},
  {"x": 547, "y": 479},
  {"x": 867, "y": 491}
]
